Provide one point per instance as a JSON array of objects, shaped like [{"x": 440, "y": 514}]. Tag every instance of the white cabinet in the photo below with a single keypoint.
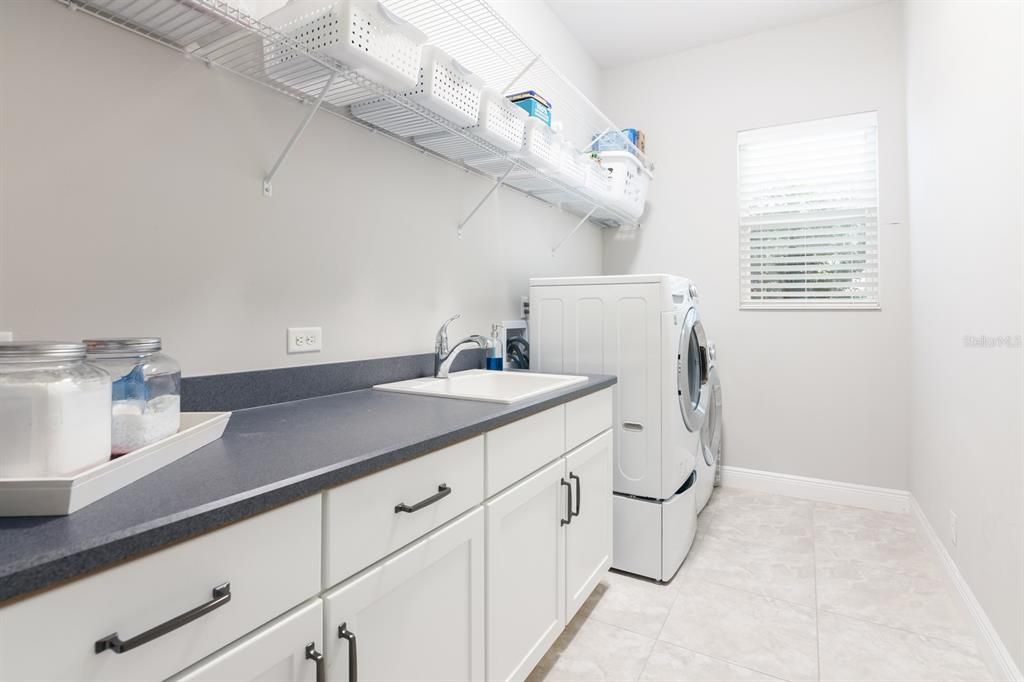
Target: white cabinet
[
  {"x": 588, "y": 538},
  {"x": 142, "y": 620},
  {"x": 418, "y": 615},
  {"x": 287, "y": 650},
  {"x": 525, "y": 572}
]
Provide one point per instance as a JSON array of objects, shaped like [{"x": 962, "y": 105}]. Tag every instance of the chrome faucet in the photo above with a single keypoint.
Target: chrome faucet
[{"x": 443, "y": 356}]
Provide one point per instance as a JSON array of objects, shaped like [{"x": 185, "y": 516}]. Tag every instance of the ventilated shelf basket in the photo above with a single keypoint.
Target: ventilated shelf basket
[
  {"x": 541, "y": 147},
  {"x": 573, "y": 166},
  {"x": 500, "y": 122},
  {"x": 444, "y": 87},
  {"x": 629, "y": 181},
  {"x": 361, "y": 34}
]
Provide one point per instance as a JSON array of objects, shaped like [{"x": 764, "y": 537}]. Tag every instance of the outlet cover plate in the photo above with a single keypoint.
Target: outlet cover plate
[{"x": 305, "y": 339}]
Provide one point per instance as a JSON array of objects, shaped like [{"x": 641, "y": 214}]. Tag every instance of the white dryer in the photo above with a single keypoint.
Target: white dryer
[
  {"x": 646, "y": 330},
  {"x": 710, "y": 435}
]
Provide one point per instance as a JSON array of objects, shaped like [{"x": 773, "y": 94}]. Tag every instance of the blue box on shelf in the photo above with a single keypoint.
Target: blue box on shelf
[{"x": 535, "y": 109}]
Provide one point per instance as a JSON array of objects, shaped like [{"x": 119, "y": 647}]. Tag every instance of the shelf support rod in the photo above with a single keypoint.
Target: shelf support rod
[
  {"x": 268, "y": 180},
  {"x": 573, "y": 231},
  {"x": 521, "y": 74},
  {"x": 492, "y": 190}
]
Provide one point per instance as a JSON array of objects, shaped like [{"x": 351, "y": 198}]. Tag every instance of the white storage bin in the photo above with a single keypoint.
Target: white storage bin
[
  {"x": 597, "y": 184},
  {"x": 573, "y": 166},
  {"x": 362, "y": 34},
  {"x": 541, "y": 146},
  {"x": 628, "y": 182},
  {"x": 444, "y": 87},
  {"x": 500, "y": 123}
]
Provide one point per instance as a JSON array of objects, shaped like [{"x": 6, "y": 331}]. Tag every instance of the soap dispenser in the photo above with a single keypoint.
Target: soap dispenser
[{"x": 495, "y": 354}]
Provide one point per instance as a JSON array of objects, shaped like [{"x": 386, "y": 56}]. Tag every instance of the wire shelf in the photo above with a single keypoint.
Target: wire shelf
[{"x": 220, "y": 34}]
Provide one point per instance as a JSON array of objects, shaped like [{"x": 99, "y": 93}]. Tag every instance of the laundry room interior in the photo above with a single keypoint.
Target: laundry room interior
[{"x": 623, "y": 340}]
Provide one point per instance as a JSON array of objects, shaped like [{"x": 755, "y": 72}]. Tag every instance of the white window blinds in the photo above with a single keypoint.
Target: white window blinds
[{"x": 808, "y": 214}]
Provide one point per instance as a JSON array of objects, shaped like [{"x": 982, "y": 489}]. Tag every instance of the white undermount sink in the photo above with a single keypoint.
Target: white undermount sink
[{"x": 486, "y": 386}]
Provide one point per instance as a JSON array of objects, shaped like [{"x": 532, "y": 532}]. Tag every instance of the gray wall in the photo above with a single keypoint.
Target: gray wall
[
  {"x": 130, "y": 203},
  {"x": 821, "y": 394},
  {"x": 966, "y": 171}
]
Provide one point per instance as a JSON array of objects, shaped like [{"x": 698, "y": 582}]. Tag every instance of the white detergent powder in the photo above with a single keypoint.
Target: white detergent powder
[
  {"x": 53, "y": 428},
  {"x": 136, "y": 423}
]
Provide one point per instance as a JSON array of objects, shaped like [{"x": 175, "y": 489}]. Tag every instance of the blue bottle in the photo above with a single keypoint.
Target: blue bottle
[{"x": 495, "y": 354}]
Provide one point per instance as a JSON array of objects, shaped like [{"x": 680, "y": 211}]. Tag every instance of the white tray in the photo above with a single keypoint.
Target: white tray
[{"x": 62, "y": 496}]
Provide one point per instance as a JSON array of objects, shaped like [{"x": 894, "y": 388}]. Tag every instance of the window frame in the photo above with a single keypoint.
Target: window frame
[{"x": 871, "y": 120}]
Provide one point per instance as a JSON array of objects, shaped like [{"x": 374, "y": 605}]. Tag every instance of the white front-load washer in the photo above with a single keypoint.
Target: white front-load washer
[
  {"x": 646, "y": 330},
  {"x": 710, "y": 434}
]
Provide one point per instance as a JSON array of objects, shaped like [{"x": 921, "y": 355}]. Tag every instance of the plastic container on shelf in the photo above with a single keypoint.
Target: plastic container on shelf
[
  {"x": 54, "y": 410},
  {"x": 362, "y": 34},
  {"x": 629, "y": 181},
  {"x": 146, "y": 390},
  {"x": 573, "y": 166},
  {"x": 444, "y": 87},
  {"x": 541, "y": 146},
  {"x": 500, "y": 123},
  {"x": 597, "y": 184}
]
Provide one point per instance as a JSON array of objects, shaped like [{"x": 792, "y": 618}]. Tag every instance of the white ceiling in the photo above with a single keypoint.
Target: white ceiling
[{"x": 617, "y": 32}]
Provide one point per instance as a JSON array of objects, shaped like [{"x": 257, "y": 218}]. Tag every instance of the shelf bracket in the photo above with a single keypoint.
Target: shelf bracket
[
  {"x": 521, "y": 74},
  {"x": 573, "y": 231},
  {"x": 492, "y": 190},
  {"x": 268, "y": 187}
]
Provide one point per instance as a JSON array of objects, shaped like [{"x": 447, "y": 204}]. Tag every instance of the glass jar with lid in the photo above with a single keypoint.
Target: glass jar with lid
[
  {"x": 54, "y": 410},
  {"x": 146, "y": 390}
]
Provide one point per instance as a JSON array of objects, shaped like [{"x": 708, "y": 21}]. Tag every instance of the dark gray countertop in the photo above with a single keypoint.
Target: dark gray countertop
[{"x": 269, "y": 456}]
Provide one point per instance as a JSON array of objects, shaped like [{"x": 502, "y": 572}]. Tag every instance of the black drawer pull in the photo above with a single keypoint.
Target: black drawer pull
[
  {"x": 568, "y": 504},
  {"x": 353, "y": 665},
  {"x": 221, "y": 596},
  {"x": 579, "y": 493},
  {"x": 442, "y": 492},
  {"x": 321, "y": 667}
]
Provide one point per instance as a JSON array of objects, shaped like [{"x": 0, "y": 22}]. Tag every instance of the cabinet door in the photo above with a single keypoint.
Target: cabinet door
[
  {"x": 285, "y": 650},
  {"x": 588, "y": 538},
  {"x": 525, "y": 572},
  {"x": 418, "y": 615}
]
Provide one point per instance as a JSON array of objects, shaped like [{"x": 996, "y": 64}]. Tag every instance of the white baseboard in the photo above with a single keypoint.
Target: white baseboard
[
  {"x": 997, "y": 656},
  {"x": 994, "y": 651},
  {"x": 818, "y": 489}
]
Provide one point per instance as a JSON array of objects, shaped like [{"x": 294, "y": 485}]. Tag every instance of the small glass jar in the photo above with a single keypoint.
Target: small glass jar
[
  {"x": 146, "y": 391},
  {"x": 54, "y": 410}
]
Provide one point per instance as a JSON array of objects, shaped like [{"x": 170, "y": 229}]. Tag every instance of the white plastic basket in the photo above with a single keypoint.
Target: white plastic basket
[
  {"x": 573, "y": 166},
  {"x": 629, "y": 181},
  {"x": 597, "y": 184},
  {"x": 500, "y": 122},
  {"x": 444, "y": 87},
  {"x": 362, "y": 34},
  {"x": 541, "y": 146}
]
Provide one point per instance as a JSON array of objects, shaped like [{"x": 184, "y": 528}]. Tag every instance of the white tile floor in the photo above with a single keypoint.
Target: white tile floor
[{"x": 777, "y": 588}]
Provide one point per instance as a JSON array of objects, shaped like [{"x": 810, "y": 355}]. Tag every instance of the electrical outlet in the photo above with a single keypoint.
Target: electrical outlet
[
  {"x": 952, "y": 526},
  {"x": 305, "y": 340},
  {"x": 524, "y": 308}
]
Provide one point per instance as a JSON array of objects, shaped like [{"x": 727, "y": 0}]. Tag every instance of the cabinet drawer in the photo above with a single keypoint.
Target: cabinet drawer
[
  {"x": 282, "y": 651},
  {"x": 518, "y": 449},
  {"x": 587, "y": 417},
  {"x": 272, "y": 563},
  {"x": 361, "y": 520}
]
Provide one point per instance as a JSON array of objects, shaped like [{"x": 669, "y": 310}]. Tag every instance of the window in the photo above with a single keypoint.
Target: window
[{"x": 808, "y": 214}]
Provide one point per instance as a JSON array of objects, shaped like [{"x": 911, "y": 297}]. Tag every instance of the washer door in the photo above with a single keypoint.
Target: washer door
[
  {"x": 693, "y": 372},
  {"x": 711, "y": 432}
]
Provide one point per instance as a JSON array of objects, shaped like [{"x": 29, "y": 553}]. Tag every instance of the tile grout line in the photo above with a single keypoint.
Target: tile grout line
[
  {"x": 817, "y": 610},
  {"x": 657, "y": 638},
  {"x": 723, "y": 660},
  {"x": 861, "y": 619}
]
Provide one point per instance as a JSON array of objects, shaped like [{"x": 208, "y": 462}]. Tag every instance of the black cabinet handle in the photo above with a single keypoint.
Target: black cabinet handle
[
  {"x": 568, "y": 503},
  {"x": 579, "y": 495},
  {"x": 221, "y": 596},
  {"x": 353, "y": 665},
  {"x": 321, "y": 666},
  {"x": 442, "y": 492}
]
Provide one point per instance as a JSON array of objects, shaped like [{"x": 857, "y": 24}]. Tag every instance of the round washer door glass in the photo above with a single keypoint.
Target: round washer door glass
[
  {"x": 693, "y": 372},
  {"x": 711, "y": 432}
]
